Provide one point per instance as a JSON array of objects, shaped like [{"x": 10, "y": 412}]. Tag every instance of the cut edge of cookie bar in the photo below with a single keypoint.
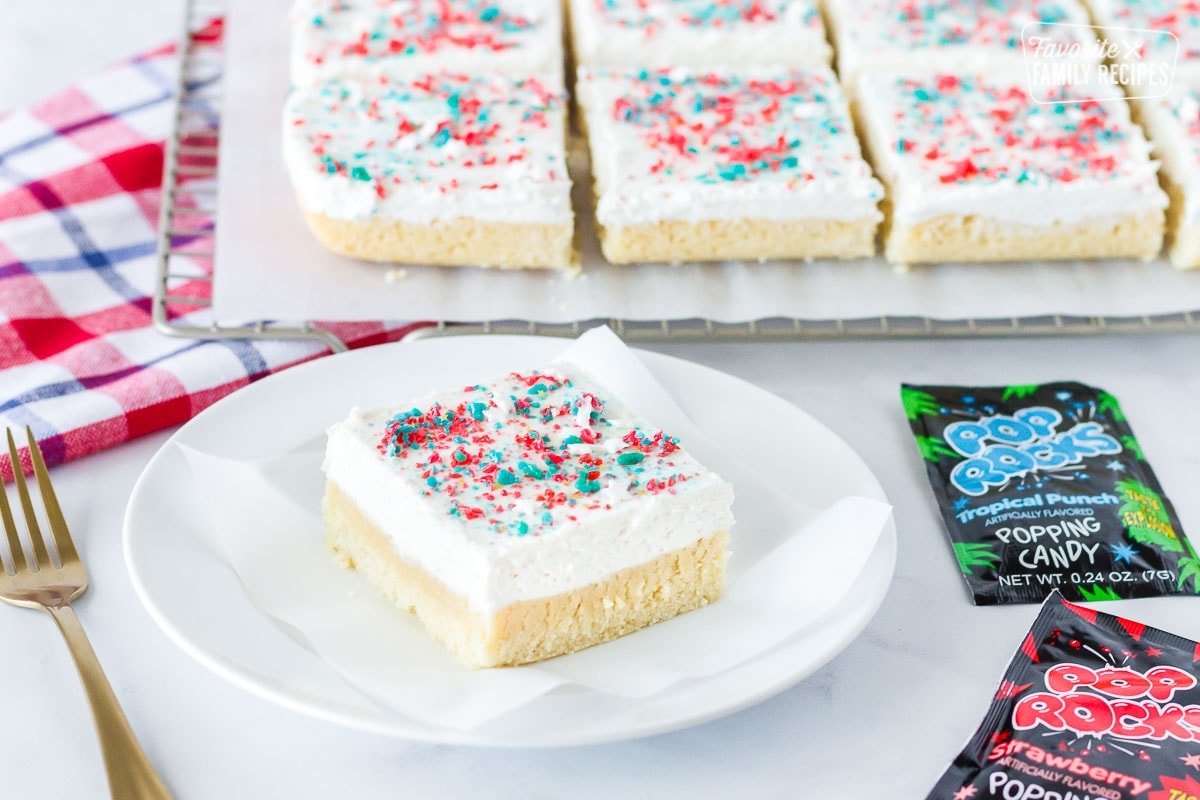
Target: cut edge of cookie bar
[
  {"x": 450, "y": 242},
  {"x": 738, "y": 239}
]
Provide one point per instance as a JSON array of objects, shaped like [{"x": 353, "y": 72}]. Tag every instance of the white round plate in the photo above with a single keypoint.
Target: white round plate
[{"x": 197, "y": 600}]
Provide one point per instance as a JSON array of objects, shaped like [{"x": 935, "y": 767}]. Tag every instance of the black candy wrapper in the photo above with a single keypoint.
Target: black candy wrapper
[
  {"x": 1043, "y": 488},
  {"x": 1092, "y": 707}
]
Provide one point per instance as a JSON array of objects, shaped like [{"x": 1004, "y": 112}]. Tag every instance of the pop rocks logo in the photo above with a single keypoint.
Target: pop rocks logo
[
  {"x": 1003, "y": 447},
  {"x": 1112, "y": 701}
]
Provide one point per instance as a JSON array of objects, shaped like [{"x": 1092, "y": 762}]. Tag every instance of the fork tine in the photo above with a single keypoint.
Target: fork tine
[
  {"x": 58, "y": 524},
  {"x": 40, "y": 557},
  {"x": 10, "y": 527}
]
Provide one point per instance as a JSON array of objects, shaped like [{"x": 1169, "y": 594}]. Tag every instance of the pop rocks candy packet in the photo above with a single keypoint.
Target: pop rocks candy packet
[
  {"x": 1044, "y": 487},
  {"x": 1092, "y": 707}
]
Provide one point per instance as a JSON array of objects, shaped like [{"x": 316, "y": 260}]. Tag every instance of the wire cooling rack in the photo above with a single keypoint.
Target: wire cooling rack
[{"x": 187, "y": 240}]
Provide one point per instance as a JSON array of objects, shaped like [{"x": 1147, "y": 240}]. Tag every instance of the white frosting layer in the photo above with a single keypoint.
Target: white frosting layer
[
  {"x": 698, "y": 33},
  {"x": 433, "y": 148},
  {"x": 370, "y": 39},
  {"x": 893, "y": 36},
  {"x": 520, "y": 546},
  {"x": 981, "y": 146},
  {"x": 1173, "y": 122},
  {"x": 692, "y": 145}
]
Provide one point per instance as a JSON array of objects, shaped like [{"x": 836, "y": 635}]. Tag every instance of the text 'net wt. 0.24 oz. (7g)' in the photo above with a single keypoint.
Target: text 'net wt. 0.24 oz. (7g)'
[{"x": 1043, "y": 488}]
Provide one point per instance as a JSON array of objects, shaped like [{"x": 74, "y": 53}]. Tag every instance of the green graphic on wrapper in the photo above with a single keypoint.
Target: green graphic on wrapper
[
  {"x": 1096, "y": 592},
  {"x": 1019, "y": 392},
  {"x": 1147, "y": 522},
  {"x": 933, "y": 448},
  {"x": 1132, "y": 446},
  {"x": 972, "y": 555},
  {"x": 1145, "y": 517},
  {"x": 1189, "y": 570},
  {"x": 917, "y": 403},
  {"x": 1107, "y": 404}
]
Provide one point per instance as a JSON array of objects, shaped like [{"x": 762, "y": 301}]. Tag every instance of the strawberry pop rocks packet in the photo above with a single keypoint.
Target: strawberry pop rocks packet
[
  {"x": 1091, "y": 707},
  {"x": 1045, "y": 487}
]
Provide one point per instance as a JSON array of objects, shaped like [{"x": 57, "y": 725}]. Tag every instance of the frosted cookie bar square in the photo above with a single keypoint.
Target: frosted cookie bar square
[
  {"x": 977, "y": 170},
  {"x": 708, "y": 165},
  {"x": 526, "y": 516},
  {"x": 441, "y": 169}
]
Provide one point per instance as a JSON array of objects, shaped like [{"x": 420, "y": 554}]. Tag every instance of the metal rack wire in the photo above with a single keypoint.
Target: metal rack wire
[
  {"x": 187, "y": 239},
  {"x": 185, "y": 224}
]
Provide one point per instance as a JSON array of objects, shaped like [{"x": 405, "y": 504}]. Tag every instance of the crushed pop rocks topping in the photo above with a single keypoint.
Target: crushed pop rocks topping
[
  {"x": 370, "y": 31},
  {"x": 1091, "y": 707},
  {"x": 651, "y": 16},
  {"x": 950, "y": 130},
  {"x": 919, "y": 24},
  {"x": 452, "y": 132},
  {"x": 1179, "y": 19},
  {"x": 791, "y": 128},
  {"x": 531, "y": 452}
]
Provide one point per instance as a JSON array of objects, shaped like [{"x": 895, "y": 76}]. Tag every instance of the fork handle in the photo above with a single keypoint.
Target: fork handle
[{"x": 130, "y": 774}]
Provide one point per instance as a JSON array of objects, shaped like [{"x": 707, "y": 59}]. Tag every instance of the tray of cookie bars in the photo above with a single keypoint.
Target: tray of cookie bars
[{"x": 432, "y": 159}]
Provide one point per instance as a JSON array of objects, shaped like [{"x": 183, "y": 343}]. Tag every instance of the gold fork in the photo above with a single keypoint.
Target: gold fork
[{"x": 38, "y": 583}]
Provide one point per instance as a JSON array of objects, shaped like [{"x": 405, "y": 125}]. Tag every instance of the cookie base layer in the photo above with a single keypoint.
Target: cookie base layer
[
  {"x": 1185, "y": 247},
  {"x": 957, "y": 238},
  {"x": 739, "y": 239},
  {"x": 529, "y": 630},
  {"x": 1183, "y": 239},
  {"x": 449, "y": 243}
]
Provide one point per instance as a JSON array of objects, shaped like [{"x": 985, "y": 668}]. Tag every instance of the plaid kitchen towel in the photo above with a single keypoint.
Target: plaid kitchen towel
[{"x": 79, "y": 197}]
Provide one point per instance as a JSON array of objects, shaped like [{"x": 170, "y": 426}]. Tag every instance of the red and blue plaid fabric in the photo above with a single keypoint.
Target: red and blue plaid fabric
[{"x": 79, "y": 198}]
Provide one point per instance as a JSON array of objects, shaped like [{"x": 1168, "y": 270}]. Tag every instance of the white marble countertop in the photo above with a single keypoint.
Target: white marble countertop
[{"x": 882, "y": 720}]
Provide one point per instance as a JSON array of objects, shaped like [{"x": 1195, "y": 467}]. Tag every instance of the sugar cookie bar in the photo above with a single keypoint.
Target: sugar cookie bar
[
  {"x": 526, "y": 516},
  {"x": 977, "y": 170},
  {"x": 442, "y": 169},
  {"x": 709, "y": 165}
]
